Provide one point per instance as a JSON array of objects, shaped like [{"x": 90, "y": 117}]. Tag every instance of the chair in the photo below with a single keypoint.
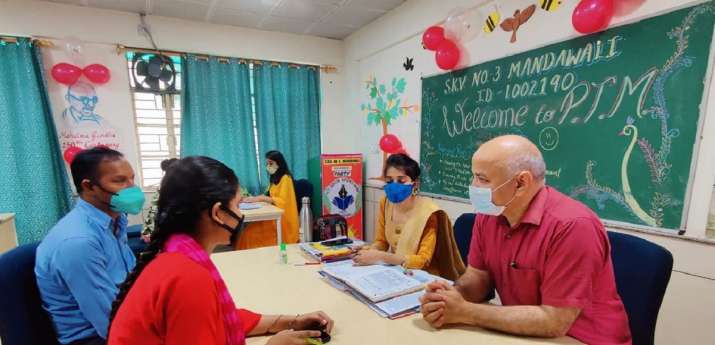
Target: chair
[
  {"x": 134, "y": 238},
  {"x": 642, "y": 271},
  {"x": 463, "y": 233},
  {"x": 303, "y": 188},
  {"x": 23, "y": 321}
]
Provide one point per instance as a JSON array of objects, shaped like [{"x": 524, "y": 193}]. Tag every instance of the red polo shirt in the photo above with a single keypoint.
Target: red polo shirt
[{"x": 559, "y": 256}]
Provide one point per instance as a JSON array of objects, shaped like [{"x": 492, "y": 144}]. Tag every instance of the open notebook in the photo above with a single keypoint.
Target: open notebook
[{"x": 387, "y": 290}]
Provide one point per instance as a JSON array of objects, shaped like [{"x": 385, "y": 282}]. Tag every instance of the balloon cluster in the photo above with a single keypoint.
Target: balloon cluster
[
  {"x": 461, "y": 26},
  {"x": 68, "y": 73}
]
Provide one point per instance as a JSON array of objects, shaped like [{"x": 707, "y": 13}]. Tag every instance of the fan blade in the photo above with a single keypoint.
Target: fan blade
[
  {"x": 166, "y": 75},
  {"x": 142, "y": 68},
  {"x": 153, "y": 83}
]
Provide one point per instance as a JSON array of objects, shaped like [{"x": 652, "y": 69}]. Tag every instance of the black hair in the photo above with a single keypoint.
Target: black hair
[
  {"x": 403, "y": 162},
  {"x": 191, "y": 187},
  {"x": 85, "y": 165},
  {"x": 167, "y": 163},
  {"x": 277, "y": 157}
]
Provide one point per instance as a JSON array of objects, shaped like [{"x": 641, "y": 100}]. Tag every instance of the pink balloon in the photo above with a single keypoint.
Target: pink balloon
[
  {"x": 433, "y": 37},
  {"x": 96, "y": 73},
  {"x": 390, "y": 143},
  {"x": 447, "y": 55},
  {"x": 65, "y": 73},
  {"x": 591, "y": 16},
  {"x": 70, "y": 153}
]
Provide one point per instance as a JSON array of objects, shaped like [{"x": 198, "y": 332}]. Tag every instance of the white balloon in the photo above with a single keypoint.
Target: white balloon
[
  {"x": 455, "y": 25},
  {"x": 73, "y": 48},
  {"x": 473, "y": 22}
]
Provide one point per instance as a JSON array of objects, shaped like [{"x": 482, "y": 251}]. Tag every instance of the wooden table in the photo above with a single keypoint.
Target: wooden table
[
  {"x": 258, "y": 282},
  {"x": 266, "y": 212}
]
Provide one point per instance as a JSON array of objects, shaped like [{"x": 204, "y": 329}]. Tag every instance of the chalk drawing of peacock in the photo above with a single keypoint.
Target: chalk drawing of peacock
[{"x": 657, "y": 160}]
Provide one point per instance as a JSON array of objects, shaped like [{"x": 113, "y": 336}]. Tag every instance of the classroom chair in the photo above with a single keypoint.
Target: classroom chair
[
  {"x": 463, "y": 236},
  {"x": 22, "y": 319},
  {"x": 303, "y": 188},
  {"x": 134, "y": 238},
  {"x": 642, "y": 271},
  {"x": 463, "y": 233}
]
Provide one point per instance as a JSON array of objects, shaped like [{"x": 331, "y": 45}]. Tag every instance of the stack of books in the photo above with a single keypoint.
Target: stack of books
[{"x": 328, "y": 251}]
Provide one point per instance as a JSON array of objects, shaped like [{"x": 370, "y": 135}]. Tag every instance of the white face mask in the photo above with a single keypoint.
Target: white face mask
[
  {"x": 481, "y": 199},
  {"x": 271, "y": 169}
]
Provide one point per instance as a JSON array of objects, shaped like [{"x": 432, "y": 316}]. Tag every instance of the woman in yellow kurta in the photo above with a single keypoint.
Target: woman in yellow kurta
[
  {"x": 411, "y": 230},
  {"x": 281, "y": 194}
]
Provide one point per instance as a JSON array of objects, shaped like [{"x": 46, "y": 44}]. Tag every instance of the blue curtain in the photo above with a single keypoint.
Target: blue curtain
[
  {"x": 288, "y": 117},
  {"x": 33, "y": 180},
  {"x": 217, "y": 118}
]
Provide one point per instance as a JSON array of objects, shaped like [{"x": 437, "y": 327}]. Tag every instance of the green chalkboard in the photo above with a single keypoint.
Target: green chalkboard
[{"x": 615, "y": 114}]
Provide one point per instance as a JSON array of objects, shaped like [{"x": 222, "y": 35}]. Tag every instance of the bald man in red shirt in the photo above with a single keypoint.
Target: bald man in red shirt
[{"x": 546, "y": 254}]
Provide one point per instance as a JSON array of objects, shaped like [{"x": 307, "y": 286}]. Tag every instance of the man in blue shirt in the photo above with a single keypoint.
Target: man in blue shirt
[{"x": 85, "y": 256}]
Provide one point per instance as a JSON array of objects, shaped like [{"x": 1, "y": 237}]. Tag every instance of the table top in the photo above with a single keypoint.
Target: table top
[
  {"x": 265, "y": 212},
  {"x": 258, "y": 282}
]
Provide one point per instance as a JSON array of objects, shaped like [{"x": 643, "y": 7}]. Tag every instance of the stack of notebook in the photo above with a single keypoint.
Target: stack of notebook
[
  {"x": 390, "y": 291},
  {"x": 320, "y": 251}
]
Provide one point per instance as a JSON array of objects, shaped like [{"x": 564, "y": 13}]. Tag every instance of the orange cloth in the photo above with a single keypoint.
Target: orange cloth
[
  {"x": 426, "y": 239},
  {"x": 263, "y": 234},
  {"x": 419, "y": 260}
]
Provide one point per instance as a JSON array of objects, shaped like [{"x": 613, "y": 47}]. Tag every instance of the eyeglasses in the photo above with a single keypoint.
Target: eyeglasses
[{"x": 85, "y": 100}]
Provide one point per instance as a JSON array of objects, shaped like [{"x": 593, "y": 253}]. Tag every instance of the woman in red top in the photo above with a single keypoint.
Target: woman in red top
[{"x": 175, "y": 295}]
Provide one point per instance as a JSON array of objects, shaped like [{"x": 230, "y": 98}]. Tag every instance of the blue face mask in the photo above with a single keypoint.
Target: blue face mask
[
  {"x": 481, "y": 199},
  {"x": 398, "y": 192},
  {"x": 128, "y": 200}
]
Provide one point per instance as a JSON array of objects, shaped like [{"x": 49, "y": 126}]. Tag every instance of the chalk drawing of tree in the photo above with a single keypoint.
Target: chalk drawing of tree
[{"x": 385, "y": 105}]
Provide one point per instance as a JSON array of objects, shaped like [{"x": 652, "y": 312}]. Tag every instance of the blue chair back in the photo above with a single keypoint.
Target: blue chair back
[
  {"x": 23, "y": 321},
  {"x": 642, "y": 271},
  {"x": 463, "y": 233},
  {"x": 134, "y": 238},
  {"x": 302, "y": 188}
]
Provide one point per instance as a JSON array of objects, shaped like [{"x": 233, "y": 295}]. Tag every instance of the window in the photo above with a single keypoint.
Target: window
[{"x": 158, "y": 122}]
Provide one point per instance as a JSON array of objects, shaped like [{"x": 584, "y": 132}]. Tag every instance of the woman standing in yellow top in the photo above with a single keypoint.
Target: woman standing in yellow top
[
  {"x": 412, "y": 230},
  {"x": 281, "y": 194}
]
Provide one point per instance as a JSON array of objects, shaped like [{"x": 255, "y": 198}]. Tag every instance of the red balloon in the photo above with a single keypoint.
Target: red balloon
[
  {"x": 433, "y": 37},
  {"x": 447, "y": 55},
  {"x": 591, "y": 16},
  {"x": 70, "y": 153},
  {"x": 65, "y": 73},
  {"x": 96, "y": 73},
  {"x": 390, "y": 143}
]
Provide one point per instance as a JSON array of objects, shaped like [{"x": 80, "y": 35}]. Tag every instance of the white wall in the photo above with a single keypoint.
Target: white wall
[
  {"x": 689, "y": 306},
  {"x": 104, "y": 28},
  {"x": 46, "y": 19}
]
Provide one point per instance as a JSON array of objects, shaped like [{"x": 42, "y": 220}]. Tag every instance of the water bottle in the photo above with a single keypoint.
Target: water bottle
[{"x": 306, "y": 221}]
